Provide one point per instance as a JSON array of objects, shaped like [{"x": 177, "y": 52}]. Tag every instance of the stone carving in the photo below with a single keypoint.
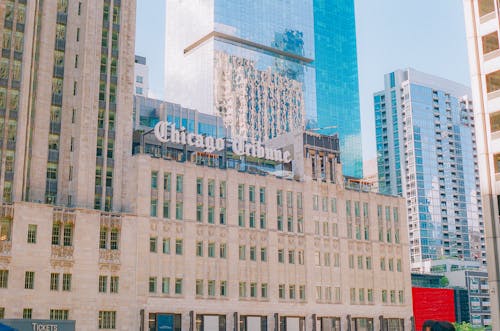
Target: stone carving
[{"x": 255, "y": 103}]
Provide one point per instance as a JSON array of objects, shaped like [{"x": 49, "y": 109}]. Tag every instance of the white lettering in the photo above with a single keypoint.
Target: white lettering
[
  {"x": 199, "y": 141},
  {"x": 287, "y": 157},
  {"x": 238, "y": 146},
  {"x": 190, "y": 139},
  {"x": 209, "y": 144},
  {"x": 219, "y": 144}
]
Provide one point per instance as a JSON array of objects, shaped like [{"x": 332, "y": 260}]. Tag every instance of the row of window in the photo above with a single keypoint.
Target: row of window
[
  {"x": 179, "y": 182},
  {"x": 179, "y": 246}
]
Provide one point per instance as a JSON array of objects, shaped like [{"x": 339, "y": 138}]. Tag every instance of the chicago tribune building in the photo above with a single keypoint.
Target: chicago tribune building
[{"x": 137, "y": 214}]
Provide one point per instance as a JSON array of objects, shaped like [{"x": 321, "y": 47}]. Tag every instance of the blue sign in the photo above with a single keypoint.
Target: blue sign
[{"x": 164, "y": 322}]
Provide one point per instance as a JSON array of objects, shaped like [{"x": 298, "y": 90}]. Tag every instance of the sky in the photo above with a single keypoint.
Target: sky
[{"x": 427, "y": 35}]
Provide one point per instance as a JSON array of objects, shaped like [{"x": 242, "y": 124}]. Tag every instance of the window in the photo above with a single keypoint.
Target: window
[
  {"x": 211, "y": 188},
  {"x": 103, "y": 284},
  {"x": 113, "y": 284},
  {"x": 263, "y": 290},
  {"x": 179, "y": 184},
  {"x": 4, "y": 278},
  {"x": 154, "y": 180},
  {"x": 279, "y": 198},
  {"x": 107, "y": 319},
  {"x": 493, "y": 81},
  {"x": 165, "y": 285},
  {"x": 211, "y": 249},
  {"x": 178, "y": 246},
  {"x": 398, "y": 265},
  {"x": 68, "y": 235},
  {"x": 211, "y": 288},
  {"x": 167, "y": 181},
  {"x": 281, "y": 291},
  {"x": 300, "y": 225},
  {"x": 486, "y": 7},
  {"x": 154, "y": 208},
  {"x": 315, "y": 202},
  {"x": 401, "y": 297},
  {"x": 166, "y": 209},
  {"x": 302, "y": 292},
  {"x": 291, "y": 257},
  {"x": 2, "y": 313},
  {"x": 351, "y": 261},
  {"x": 317, "y": 258},
  {"x": 199, "y": 248},
  {"x": 178, "y": 286},
  {"x": 324, "y": 204},
  {"x": 289, "y": 199},
  {"x": 179, "y": 210},
  {"x": 222, "y": 189},
  {"x": 103, "y": 238},
  {"x": 27, "y": 312},
  {"x": 393, "y": 296},
  {"x": 253, "y": 290},
  {"x": 242, "y": 289},
  {"x": 251, "y": 221},
  {"x": 223, "y": 288},
  {"x": 336, "y": 260},
  {"x": 222, "y": 251},
  {"x": 199, "y": 186},
  {"x": 242, "y": 252},
  {"x": 319, "y": 295},
  {"x": 54, "y": 282},
  {"x": 280, "y": 223},
  {"x": 384, "y": 296},
  {"x": 222, "y": 215},
  {"x": 253, "y": 253},
  {"x": 29, "y": 280},
  {"x": 241, "y": 218},
  {"x": 301, "y": 257},
  {"x": 199, "y": 287},
  {"x": 153, "y": 244},
  {"x": 113, "y": 240},
  {"x": 391, "y": 264},
  {"x": 290, "y": 224},
  {"x": 59, "y": 314},
  {"x": 66, "y": 282},
  {"x": 263, "y": 254},
  {"x": 352, "y": 294},
  {"x": 370, "y": 295},
  {"x": 382, "y": 263},
  {"x": 56, "y": 233},
  {"x": 360, "y": 262},
  {"x": 326, "y": 259},
  {"x": 281, "y": 256},
  {"x": 32, "y": 233},
  {"x": 495, "y": 121},
  {"x": 262, "y": 220},
  {"x": 368, "y": 263},
  {"x": 241, "y": 192},
  {"x": 262, "y": 195},
  {"x": 291, "y": 291},
  {"x": 251, "y": 193}
]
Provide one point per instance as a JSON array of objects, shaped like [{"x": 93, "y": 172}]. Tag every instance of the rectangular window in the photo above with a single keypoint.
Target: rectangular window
[
  {"x": 242, "y": 252},
  {"x": 301, "y": 257},
  {"x": 263, "y": 290},
  {"x": 222, "y": 189},
  {"x": 352, "y": 294},
  {"x": 281, "y": 256},
  {"x": 382, "y": 263},
  {"x": 154, "y": 208},
  {"x": 113, "y": 239},
  {"x": 199, "y": 213},
  {"x": 360, "y": 262},
  {"x": 241, "y": 218},
  {"x": 242, "y": 289},
  {"x": 166, "y": 209},
  {"x": 326, "y": 259},
  {"x": 289, "y": 199},
  {"x": 251, "y": 193},
  {"x": 59, "y": 314},
  {"x": 384, "y": 296},
  {"x": 281, "y": 291},
  {"x": 319, "y": 293},
  {"x": 27, "y": 312},
  {"x": 495, "y": 121},
  {"x": 178, "y": 286},
  {"x": 56, "y": 233},
  {"x": 4, "y": 278},
  {"x": 393, "y": 296},
  {"x": 262, "y": 221},
  {"x": 179, "y": 184},
  {"x": 262, "y": 195},
  {"x": 241, "y": 192},
  {"x": 253, "y": 253},
  {"x": 107, "y": 319},
  {"x": 211, "y": 288},
  {"x": 496, "y": 161},
  {"x": 211, "y": 249},
  {"x": 486, "y": 7},
  {"x": 113, "y": 284},
  {"x": 280, "y": 223},
  {"x": 152, "y": 284},
  {"x": 493, "y": 81},
  {"x": 103, "y": 284},
  {"x": 222, "y": 251},
  {"x": 165, "y": 285},
  {"x": 199, "y": 248},
  {"x": 66, "y": 283},
  {"x": 153, "y": 244},
  {"x": 178, "y": 246},
  {"x": 68, "y": 235},
  {"x": 299, "y": 200},
  {"x": 391, "y": 264},
  {"x": 2, "y": 313},
  {"x": 154, "y": 180},
  {"x": 179, "y": 207},
  {"x": 300, "y": 225},
  {"x": 166, "y": 245},
  {"x": 199, "y": 186},
  {"x": 361, "y": 295},
  {"x": 315, "y": 202},
  {"x": 103, "y": 238},
  {"x": 199, "y": 287},
  {"x": 398, "y": 265},
  {"x": 54, "y": 282},
  {"x": 401, "y": 297},
  {"x": 302, "y": 292},
  {"x": 167, "y": 181},
  {"x": 370, "y": 295},
  {"x": 223, "y": 288},
  {"x": 368, "y": 263},
  {"x": 291, "y": 292},
  {"x": 222, "y": 215},
  {"x": 211, "y": 188},
  {"x": 32, "y": 233},
  {"x": 253, "y": 290},
  {"x": 263, "y": 254},
  {"x": 29, "y": 280},
  {"x": 291, "y": 257},
  {"x": 289, "y": 224},
  {"x": 279, "y": 198},
  {"x": 251, "y": 220},
  {"x": 351, "y": 261}
]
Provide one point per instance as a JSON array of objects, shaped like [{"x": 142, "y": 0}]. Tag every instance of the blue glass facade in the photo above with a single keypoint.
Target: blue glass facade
[
  {"x": 337, "y": 79},
  {"x": 277, "y": 66},
  {"x": 426, "y": 153}
]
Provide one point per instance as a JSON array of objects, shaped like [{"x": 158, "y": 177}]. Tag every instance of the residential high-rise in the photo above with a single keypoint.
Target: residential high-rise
[
  {"x": 426, "y": 152},
  {"x": 141, "y": 76},
  {"x": 65, "y": 100},
  {"x": 482, "y": 28},
  {"x": 268, "y": 67}
]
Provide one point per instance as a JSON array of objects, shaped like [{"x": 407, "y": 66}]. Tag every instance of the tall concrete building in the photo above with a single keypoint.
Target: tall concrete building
[
  {"x": 141, "y": 76},
  {"x": 482, "y": 27},
  {"x": 268, "y": 67},
  {"x": 426, "y": 152},
  {"x": 65, "y": 101}
]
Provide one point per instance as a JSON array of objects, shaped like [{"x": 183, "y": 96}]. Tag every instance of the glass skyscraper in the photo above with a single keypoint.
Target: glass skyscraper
[
  {"x": 268, "y": 67},
  {"x": 426, "y": 152}
]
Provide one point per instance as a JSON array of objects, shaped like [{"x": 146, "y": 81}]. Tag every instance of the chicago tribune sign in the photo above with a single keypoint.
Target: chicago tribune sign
[{"x": 167, "y": 132}]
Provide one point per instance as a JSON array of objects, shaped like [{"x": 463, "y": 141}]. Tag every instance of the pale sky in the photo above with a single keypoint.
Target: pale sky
[{"x": 427, "y": 35}]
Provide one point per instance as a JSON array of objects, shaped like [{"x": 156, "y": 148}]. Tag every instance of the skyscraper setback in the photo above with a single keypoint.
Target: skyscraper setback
[
  {"x": 426, "y": 152},
  {"x": 268, "y": 67},
  {"x": 65, "y": 90}
]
